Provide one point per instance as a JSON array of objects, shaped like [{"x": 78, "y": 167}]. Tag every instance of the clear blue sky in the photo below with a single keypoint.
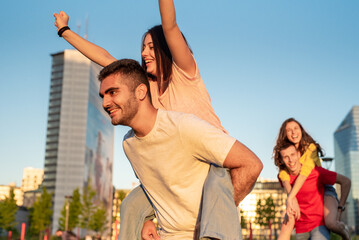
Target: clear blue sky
[{"x": 262, "y": 62}]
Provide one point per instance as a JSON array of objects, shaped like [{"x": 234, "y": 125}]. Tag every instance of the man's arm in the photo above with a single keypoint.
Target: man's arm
[
  {"x": 245, "y": 168},
  {"x": 345, "y": 184}
]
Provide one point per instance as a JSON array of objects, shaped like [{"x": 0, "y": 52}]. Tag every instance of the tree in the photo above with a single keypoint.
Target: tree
[
  {"x": 121, "y": 194},
  {"x": 40, "y": 216},
  {"x": 8, "y": 209},
  {"x": 243, "y": 220},
  {"x": 98, "y": 221},
  {"x": 88, "y": 207},
  {"x": 265, "y": 211},
  {"x": 75, "y": 209}
]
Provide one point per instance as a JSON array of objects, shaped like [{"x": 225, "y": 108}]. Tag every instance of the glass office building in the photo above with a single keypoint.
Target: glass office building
[
  {"x": 346, "y": 150},
  {"x": 80, "y": 136}
]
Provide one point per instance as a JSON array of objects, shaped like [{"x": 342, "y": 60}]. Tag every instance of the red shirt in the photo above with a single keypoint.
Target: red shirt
[{"x": 311, "y": 199}]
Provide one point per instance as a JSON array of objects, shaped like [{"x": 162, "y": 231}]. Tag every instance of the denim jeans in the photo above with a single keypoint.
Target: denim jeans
[
  {"x": 135, "y": 208},
  {"x": 329, "y": 190},
  {"x": 219, "y": 216},
  {"x": 318, "y": 233}
]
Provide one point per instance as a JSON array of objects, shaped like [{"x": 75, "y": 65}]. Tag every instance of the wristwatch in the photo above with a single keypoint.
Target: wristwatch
[{"x": 341, "y": 208}]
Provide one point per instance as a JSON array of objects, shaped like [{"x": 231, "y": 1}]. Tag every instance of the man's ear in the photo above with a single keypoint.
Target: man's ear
[{"x": 141, "y": 92}]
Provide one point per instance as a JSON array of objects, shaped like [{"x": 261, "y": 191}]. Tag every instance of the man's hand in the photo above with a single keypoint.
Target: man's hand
[
  {"x": 149, "y": 231},
  {"x": 61, "y": 20}
]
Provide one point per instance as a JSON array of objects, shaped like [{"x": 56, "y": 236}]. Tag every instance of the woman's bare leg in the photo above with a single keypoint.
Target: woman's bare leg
[{"x": 330, "y": 218}]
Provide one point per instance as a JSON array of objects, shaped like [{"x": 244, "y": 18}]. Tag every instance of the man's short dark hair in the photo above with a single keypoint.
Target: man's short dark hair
[
  {"x": 278, "y": 160},
  {"x": 132, "y": 71},
  {"x": 285, "y": 145}
]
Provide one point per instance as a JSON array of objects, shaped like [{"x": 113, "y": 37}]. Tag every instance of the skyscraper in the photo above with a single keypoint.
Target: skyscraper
[
  {"x": 80, "y": 136},
  {"x": 346, "y": 150}
]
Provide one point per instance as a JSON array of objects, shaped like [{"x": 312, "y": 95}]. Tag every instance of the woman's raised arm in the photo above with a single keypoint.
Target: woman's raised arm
[
  {"x": 180, "y": 51},
  {"x": 91, "y": 51}
]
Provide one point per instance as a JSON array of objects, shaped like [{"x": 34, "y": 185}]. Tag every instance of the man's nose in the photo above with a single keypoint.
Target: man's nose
[{"x": 105, "y": 102}]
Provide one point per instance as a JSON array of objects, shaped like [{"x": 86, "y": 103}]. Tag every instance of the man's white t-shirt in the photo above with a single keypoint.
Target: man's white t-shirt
[{"x": 172, "y": 164}]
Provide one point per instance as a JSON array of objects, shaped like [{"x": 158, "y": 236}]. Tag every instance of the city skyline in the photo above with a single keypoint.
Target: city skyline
[{"x": 262, "y": 62}]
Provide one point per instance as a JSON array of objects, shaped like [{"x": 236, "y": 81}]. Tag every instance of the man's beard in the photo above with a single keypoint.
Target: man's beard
[{"x": 129, "y": 111}]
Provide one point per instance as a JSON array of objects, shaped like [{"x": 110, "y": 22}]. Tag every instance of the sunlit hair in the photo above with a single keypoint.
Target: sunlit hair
[
  {"x": 303, "y": 143},
  {"x": 134, "y": 74},
  {"x": 163, "y": 56},
  {"x": 278, "y": 160}
]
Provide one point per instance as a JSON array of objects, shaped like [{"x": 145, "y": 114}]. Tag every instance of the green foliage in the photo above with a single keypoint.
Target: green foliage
[
  {"x": 121, "y": 194},
  {"x": 88, "y": 207},
  {"x": 8, "y": 209},
  {"x": 334, "y": 236},
  {"x": 98, "y": 220},
  {"x": 84, "y": 213},
  {"x": 75, "y": 209},
  {"x": 62, "y": 218},
  {"x": 243, "y": 220},
  {"x": 265, "y": 211},
  {"x": 40, "y": 216}
]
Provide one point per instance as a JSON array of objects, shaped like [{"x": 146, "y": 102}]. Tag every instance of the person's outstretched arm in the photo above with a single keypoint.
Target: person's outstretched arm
[
  {"x": 180, "y": 51},
  {"x": 247, "y": 168},
  {"x": 91, "y": 51}
]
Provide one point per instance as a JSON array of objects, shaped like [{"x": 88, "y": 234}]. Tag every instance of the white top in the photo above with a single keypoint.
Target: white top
[
  {"x": 186, "y": 94},
  {"x": 172, "y": 165}
]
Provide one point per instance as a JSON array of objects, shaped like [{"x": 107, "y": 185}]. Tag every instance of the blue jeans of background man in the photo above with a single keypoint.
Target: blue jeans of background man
[
  {"x": 318, "y": 233},
  {"x": 219, "y": 216}
]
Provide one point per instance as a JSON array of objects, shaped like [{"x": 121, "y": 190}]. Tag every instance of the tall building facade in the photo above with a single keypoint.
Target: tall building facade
[
  {"x": 31, "y": 178},
  {"x": 80, "y": 136},
  {"x": 346, "y": 151}
]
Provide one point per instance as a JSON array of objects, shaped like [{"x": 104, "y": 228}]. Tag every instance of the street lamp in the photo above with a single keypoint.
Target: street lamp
[
  {"x": 67, "y": 211},
  {"x": 328, "y": 162}
]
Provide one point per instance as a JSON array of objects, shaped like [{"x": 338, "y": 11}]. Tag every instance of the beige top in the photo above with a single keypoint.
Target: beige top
[
  {"x": 172, "y": 164},
  {"x": 186, "y": 94}
]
